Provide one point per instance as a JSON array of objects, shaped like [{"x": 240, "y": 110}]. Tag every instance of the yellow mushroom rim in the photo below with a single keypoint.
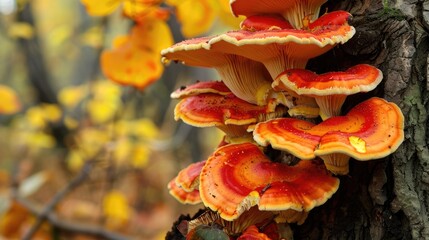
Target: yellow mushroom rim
[
  {"x": 295, "y": 11},
  {"x": 188, "y": 178},
  {"x": 183, "y": 196},
  {"x": 199, "y": 87},
  {"x": 239, "y": 176},
  {"x": 371, "y": 130},
  {"x": 329, "y": 89}
]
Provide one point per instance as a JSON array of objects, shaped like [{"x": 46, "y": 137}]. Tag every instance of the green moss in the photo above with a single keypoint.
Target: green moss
[{"x": 391, "y": 12}]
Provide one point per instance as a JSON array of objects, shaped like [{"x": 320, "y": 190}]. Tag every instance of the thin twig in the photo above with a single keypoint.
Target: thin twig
[
  {"x": 71, "y": 227},
  {"x": 41, "y": 217}
]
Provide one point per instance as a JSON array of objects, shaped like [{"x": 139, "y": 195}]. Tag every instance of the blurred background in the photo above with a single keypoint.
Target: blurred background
[{"x": 81, "y": 156}]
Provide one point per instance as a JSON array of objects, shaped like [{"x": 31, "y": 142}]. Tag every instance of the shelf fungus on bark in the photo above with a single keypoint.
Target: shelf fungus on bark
[
  {"x": 286, "y": 48},
  {"x": 330, "y": 90},
  {"x": 295, "y": 11},
  {"x": 184, "y": 187},
  {"x": 371, "y": 130},
  {"x": 247, "y": 79},
  {"x": 192, "y": 197},
  {"x": 239, "y": 176},
  {"x": 227, "y": 112}
]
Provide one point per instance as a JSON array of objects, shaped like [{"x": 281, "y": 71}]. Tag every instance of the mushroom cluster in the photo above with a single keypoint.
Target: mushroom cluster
[{"x": 272, "y": 168}]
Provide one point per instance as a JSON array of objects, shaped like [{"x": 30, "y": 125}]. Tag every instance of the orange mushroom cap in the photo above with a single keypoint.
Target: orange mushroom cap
[
  {"x": 286, "y": 48},
  {"x": 188, "y": 178},
  {"x": 239, "y": 176},
  {"x": 371, "y": 130},
  {"x": 330, "y": 89},
  {"x": 208, "y": 109},
  {"x": 199, "y": 87},
  {"x": 295, "y": 11},
  {"x": 182, "y": 195},
  {"x": 252, "y": 233}
]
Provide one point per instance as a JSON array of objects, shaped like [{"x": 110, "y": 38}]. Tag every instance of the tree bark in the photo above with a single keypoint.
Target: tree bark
[{"x": 386, "y": 198}]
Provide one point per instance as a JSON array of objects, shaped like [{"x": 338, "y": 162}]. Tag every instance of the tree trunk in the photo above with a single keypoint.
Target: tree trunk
[{"x": 386, "y": 198}]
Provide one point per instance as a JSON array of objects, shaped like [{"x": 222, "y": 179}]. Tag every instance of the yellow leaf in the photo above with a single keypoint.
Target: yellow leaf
[
  {"x": 74, "y": 161},
  {"x": 141, "y": 10},
  {"x": 9, "y": 103},
  {"x": 145, "y": 128},
  {"x": 116, "y": 209},
  {"x": 140, "y": 156},
  {"x": 101, "y": 7},
  {"x": 21, "y": 30},
  {"x": 122, "y": 149},
  {"x": 40, "y": 139},
  {"x": 36, "y": 117},
  {"x": 225, "y": 15},
  {"x": 70, "y": 122},
  {"x": 136, "y": 60},
  {"x": 69, "y": 97},
  {"x": 93, "y": 37},
  {"x": 91, "y": 140},
  {"x": 51, "y": 112},
  {"x": 101, "y": 111},
  {"x": 196, "y": 16}
]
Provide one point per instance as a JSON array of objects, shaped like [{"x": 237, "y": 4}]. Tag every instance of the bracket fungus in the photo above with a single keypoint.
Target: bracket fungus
[
  {"x": 227, "y": 112},
  {"x": 199, "y": 87},
  {"x": 247, "y": 79},
  {"x": 295, "y": 11},
  {"x": 329, "y": 89},
  {"x": 373, "y": 129},
  {"x": 183, "y": 196},
  {"x": 239, "y": 176},
  {"x": 286, "y": 48}
]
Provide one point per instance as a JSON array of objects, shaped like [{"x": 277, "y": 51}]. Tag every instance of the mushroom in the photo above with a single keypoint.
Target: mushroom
[
  {"x": 183, "y": 196},
  {"x": 265, "y": 22},
  {"x": 227, "y": 112},
  {"x": 329, "y": 89},
  {"x": 295, "y": 11},
  {"x": 248, "y": 218},
  {"x": 252, "y": 233},
  {"x": 239, "y": 176},
  {"x": 188, "y": 178},
  {"x": 286, "y": 48},
  {"x": 199, "y": 87},
  {"x": 371, "y": 130},
  {"x": 247, "y": 79}
]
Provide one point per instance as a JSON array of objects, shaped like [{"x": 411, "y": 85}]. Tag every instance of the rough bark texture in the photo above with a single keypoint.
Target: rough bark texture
[{"x": 387, "y": 198}]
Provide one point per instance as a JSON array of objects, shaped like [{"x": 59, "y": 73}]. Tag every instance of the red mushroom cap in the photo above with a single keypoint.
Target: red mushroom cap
[
  {"x": 239, "y": 176},
  {"x": 329, "y": 89},
  {"x": 265, "y": 22},
  {"x": 295, "y": 11},
  {"x": 286, "y": 48},
  {"x": 371, "y": 130},
  {"x": 188, "y": 178}
]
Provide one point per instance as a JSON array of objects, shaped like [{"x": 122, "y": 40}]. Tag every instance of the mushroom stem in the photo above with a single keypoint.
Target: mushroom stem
[
  {"x": 291, "y": 216},
  {"x": 244, "y": 77},
  {"x": 302, "y": 10},
  {"x": 330, "y": 106},
  {"x": 337, "y": 163}
]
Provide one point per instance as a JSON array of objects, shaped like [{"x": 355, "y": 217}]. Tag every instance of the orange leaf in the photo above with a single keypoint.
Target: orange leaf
[
  {"x": 101, "y": 7},
  {"x": 136, "y": 60}
]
